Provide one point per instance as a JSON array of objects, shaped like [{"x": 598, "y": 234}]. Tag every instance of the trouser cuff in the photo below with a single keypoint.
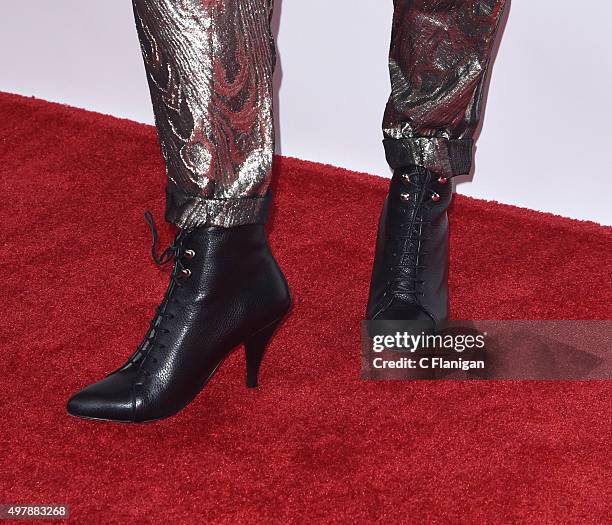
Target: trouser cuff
[
  {"x": 444, "y": 157},
  {"x": 192, "y": 211}
]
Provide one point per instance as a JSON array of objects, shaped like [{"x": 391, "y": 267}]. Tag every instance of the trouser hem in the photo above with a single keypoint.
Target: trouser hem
[
  {"x": 444, "y": 157},
  {"x": 193, "y": 211}
]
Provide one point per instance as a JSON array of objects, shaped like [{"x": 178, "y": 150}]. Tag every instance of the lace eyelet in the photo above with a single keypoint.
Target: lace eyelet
[
  {"x": 405, "y": 197},
  {"x": 185, "y": 273},
  {"x": 189, "y": 254},
  {"x": 435, "y": 197},
  {"x": 443, "y": 180},
  {"x": 406, "y": 178}
]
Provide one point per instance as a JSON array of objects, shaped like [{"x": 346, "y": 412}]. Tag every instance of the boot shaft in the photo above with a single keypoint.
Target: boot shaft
[{"x": 410, "y": 273}]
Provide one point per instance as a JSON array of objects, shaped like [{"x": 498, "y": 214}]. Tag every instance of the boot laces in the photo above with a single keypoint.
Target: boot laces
[
  {"x": 408, "y": 234},
  {"x": 156, "y": 328}
]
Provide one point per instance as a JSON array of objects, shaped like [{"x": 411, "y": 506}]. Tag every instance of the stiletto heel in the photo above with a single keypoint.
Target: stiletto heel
[{"x": 255, "y": 348}]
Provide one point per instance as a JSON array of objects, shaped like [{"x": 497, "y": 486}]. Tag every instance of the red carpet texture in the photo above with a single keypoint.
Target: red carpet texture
[{"x": 314, "y": 444}]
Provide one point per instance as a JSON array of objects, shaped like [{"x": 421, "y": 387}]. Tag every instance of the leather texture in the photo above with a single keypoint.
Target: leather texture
[
  {"x": 410, "y": 272},
  {"x": 225, "y": 289}
]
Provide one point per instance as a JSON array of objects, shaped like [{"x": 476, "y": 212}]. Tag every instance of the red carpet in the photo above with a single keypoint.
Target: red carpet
[{"x": 313, "y": 444}]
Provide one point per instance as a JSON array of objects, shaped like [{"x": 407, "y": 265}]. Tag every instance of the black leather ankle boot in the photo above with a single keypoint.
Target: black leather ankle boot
[
  {"x": 410, "y": 273},
  {"x": 225, "y": 289}
]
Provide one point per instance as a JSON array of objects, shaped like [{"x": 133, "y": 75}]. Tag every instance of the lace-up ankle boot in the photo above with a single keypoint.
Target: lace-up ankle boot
[
  {"x": 410, "y": 273},
  {"x": 225, "y": 289}
]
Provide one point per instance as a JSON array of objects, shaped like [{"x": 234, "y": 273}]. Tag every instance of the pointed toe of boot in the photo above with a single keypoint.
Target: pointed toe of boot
[
  {"x": 387, "y": 318},
  {"x": 109, "y": 399},
  {"x": 404, "y": 311}
]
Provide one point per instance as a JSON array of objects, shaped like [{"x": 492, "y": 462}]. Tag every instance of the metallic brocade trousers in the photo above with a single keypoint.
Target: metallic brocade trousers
[{"x": 210, "y": 63}]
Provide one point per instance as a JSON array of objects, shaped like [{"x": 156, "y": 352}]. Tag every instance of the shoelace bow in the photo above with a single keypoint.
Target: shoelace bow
[
  {"x": 171, "y": 252},
  {"x": 409, "y": 234}
]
